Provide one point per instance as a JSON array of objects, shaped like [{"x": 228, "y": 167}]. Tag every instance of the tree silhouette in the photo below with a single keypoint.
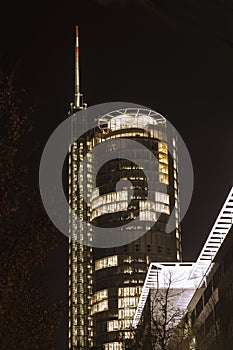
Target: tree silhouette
[
  {"x": 27, "y": 321},
  {"x": 161, "y": 326}
]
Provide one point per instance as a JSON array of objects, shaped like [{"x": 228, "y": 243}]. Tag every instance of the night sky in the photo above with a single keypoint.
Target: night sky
[{"x": 173, "y": 57}]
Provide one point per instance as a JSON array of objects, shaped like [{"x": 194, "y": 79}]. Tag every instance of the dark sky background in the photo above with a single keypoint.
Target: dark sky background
[{"x": 175, "y": 57}]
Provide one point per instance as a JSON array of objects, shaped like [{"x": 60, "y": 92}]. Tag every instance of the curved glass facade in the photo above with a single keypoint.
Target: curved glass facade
[{"x": 116, "y": 275}]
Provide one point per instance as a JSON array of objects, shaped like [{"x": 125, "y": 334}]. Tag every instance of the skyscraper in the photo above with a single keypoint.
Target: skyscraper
[
  {"x": 105, "y": 283},
  {"x": 80, "y": 326},
  {"x": 119, "y": 272}
]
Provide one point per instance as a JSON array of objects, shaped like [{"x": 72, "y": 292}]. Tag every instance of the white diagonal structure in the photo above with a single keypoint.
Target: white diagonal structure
[{"x": 188, "y": 276}]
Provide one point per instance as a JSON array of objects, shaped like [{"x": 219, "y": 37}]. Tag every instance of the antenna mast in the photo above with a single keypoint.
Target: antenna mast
[{"x": 78, "y": 97}]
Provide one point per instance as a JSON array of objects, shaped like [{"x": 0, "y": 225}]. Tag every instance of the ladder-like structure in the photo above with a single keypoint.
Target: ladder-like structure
[{"x": 188, "y": 276}]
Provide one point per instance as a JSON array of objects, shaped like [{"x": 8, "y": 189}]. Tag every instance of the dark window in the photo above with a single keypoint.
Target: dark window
[
  {"x": 199, "y": 307},
  {"x": 217, "y": 276},
  {"x": 209, "y": 322},
  {"x": 193, "y": 317},
  {"x": 228, "y": 260},
  {"x": 208, "y": 293}
]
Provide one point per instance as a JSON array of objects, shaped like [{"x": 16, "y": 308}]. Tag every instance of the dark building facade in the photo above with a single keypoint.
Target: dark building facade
[{"x": 211, "y": 309}]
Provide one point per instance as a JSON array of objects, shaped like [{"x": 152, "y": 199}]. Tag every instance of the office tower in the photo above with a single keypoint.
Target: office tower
[
  {"x": 105, "y": 283},
  {"x": 80, "y": 326},
  {"x": 119, "y": 272}
]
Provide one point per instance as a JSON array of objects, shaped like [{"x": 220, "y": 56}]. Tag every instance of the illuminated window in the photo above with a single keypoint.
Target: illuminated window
[
  {"x": 162, "y": 197},
  {"x": 163, "y": 162},
  {"x": 108, "y": 198},
  {"x": 163, "y": 168},
  {"x": 109, "y": 208},
  {"x": 116, "y": 325},
  {"x": 126, "y": 313},
  {"x": 128, "y": 270},
  {"x": 128, "y": 299},
  {"x": 174, "y": 154},
  {"x": 162, "y": 147},
  {"x": 133, "y": 281},
  {"x": 147, "y": 216},
  {"x": 129, "y": 291},
  {"x": 163, "y": 158},
  {"x": 99, "y": 307},
  {"x": 162, "y": 208},
  {"x": 128, "y": 335},
  {"x": 112, "y": 325},
  {"x": 129, "y": 260},
  {"x": 163, "y": 178},
  {"x": 100, "y": 301},
  {"x": 100, "y": 295},
  {"x": 128, "y": 302},
  {"x": 113, "y": 346},
  {"x": 95, "y": 193},
  {"x": 104, "y": 263},
  {"x": 124, "y": 324}
]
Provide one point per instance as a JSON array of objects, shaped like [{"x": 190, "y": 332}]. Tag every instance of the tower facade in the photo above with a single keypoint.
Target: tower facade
[
  {"x": 105, "y": 283},
  {"x": 119, "y": 272},
  {"x": 80, "y": 327}
]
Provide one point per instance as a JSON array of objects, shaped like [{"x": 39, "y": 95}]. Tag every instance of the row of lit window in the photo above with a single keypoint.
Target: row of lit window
[
  {"x": 163, "y": 158},
  {"x": 127, "y": 313},
  {"x": 126, "y": 121},
  {"x": 152, "y": 216},
  {"x": 147, "y": 215},
  {"x": 144, "y": 215},
  {"x": 116, "y": 325},
  {"x": 160, "y": 197},
  {"x": 162, "y": 147},
  {"x": 127, "y": 302},
  {"x": 163, "y": 178},
  {"x": 106, "y": 262},
  {"x": 130, "y": 270},
  {"x": 129, "y": 291},
  {"x": 100, "y": 295},
  {"x": 109, "y": 198},
  {"x": 163, "y": 163},
  {"x": 95, "y": 193},
  {"x": 109, "y": 208},
  {"x": 150, "y": 132},
  {"x": 163, "y": 168},
  {"x": 131, "y": 259},
  {"x": 113, "y": 346},
  {"x": 99, "y": 307},
  {"x": 174, "y": 154},
  {"x": 131, "y": 281},
  {"x": 163, "y": 208}
]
